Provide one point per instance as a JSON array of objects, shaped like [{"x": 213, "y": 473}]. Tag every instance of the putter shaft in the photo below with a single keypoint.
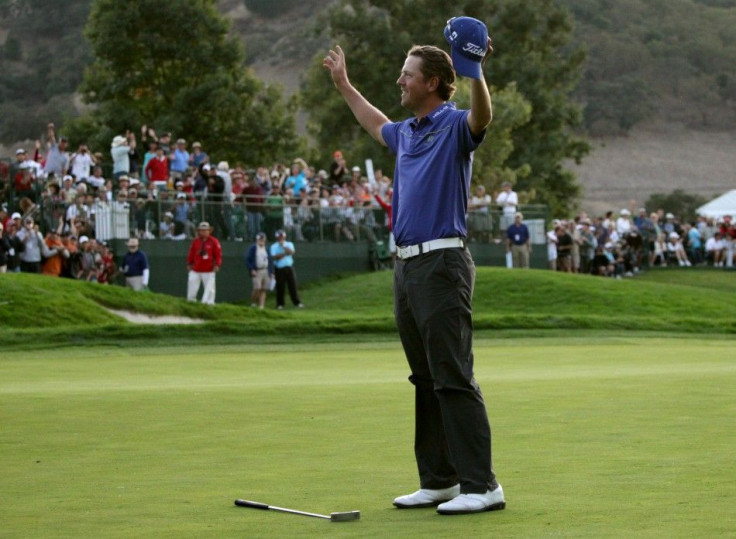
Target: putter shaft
[{"x": 335, "y": 517}]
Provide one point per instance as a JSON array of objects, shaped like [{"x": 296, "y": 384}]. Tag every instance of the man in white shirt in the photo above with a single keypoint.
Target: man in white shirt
[
  {"x": 715, "y": 249},
  {"x": 507, "y": 200},
  {"x": 81, "y": 163}
]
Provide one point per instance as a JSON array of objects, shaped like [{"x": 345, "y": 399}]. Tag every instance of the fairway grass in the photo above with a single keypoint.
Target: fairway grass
[{"x": 593, "y": 437}]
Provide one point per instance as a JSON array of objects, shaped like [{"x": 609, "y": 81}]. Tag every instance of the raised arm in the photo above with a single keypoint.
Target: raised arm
[
  {"x": 368, "y": 116},
  {"x": 481, "y": 111}
]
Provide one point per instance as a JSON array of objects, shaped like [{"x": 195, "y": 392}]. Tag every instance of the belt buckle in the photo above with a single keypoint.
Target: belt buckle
[{"x": 407, "y": 252}]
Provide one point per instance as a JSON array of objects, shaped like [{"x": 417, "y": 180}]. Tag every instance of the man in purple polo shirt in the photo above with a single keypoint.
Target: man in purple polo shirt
[{"x": 435, "y": 274}]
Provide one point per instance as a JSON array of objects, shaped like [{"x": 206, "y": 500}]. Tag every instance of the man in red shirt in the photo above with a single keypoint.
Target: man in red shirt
[{"x": 203, "y": 262}]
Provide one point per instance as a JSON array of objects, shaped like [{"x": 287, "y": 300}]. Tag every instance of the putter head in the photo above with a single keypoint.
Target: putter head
[{"x": 345, "y": 516}]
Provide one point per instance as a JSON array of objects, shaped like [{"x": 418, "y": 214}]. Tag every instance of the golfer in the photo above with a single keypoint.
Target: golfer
[{"x": 435, "y": 274}]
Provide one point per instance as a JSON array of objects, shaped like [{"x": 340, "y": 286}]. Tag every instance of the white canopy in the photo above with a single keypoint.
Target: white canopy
[{"x": 720, "y": 207}]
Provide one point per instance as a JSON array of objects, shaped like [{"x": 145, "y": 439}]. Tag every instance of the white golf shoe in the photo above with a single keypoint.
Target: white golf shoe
[
  {"x": 426, "y": 497},
  {"x": 493, "y": 500}
]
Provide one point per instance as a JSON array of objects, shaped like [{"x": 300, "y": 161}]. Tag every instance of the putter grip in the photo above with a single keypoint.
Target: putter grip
[{"x": 247, "y": 503}]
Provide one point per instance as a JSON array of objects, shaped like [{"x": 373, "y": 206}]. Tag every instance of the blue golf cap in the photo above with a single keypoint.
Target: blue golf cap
[{"x": 468, "y": 39}]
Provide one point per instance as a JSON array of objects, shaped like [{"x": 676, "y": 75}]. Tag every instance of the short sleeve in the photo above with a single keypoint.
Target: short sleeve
[{"x": 390, "y": 134}]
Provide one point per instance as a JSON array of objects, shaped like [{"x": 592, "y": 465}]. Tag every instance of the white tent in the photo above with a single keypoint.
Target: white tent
[{"x": 720, "y": 207}]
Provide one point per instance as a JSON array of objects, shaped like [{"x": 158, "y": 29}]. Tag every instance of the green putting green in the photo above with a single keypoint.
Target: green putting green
[{"x": 594, "y": 436}]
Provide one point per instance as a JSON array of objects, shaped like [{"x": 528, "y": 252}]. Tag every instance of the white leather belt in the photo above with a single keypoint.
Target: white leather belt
[{"x": 415, "y": 250}]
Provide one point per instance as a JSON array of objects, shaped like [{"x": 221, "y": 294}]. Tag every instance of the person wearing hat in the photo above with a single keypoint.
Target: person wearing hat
[
  {"x": 282, "y": 253},
  {"x": 259, "y": 261},
  {"x": 623, "y": 223},
  {"x": 57, "y": 158},
  {"x": 120, "y": 152},
  {"x": 452, "y": 434},
  {"x": 23, "y": 172},
  {"x": 34, "y": 247},
  {"x": 135, "y": 266},
  {"x": 198, "y": 156},
  {"x": 203, "y": 262}
]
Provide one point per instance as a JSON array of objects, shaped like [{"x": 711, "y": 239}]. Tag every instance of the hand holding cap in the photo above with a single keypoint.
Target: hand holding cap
[{"x": 469, "y": 43}]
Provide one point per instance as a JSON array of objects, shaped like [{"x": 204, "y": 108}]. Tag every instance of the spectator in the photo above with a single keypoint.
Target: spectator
[
  {"x": 57, "y": 159},
  {"x": 479, "y": 218},
  {"x": 728, "y": 236},
  {"x": 182, "y": 211},
  {"x": 120, "y": 152},
  {"x": 12, "y": 227},
  {"x": 574, "y": 229},
  {"x": 54, "y": 265},
  {"x": 260, "y": 265},
  {"x": 715, "y": 250},
  {"x": 135, "y": 267},
  {"x": 552, "y": 246},
  {"x": 263, "y": 179},
  {"x": 282, "y": 253},
  {"x": 507, "y": 200},
  {"x": 81, "y": 163},
  {"x": 5, "y": 250},
  {"x": 694, "y": 243},
  {"x": 623, "y": 223},
  {"x": 635, "y": 245},
  {"x": 23, "y": 175},
  {"x": 157, "y": 170},
  {"x": 150, "y": 154},
  {"x": 96, "y": 180},
  {"x": 274, "y": 211},
  {"x": 564, "y": 248},
  {"x": 296, "y": 180},
  {"x": 386, "y": 206},
  {"x": 669, "y": 225},
  {"x": 601, "y": 264},
  {"x": 166, "y": 226},
  {"x": 518, "y": 242},
  {"x": 338, "y": 169},
  {"x": 33, "y": 247},
  {"x": 179, "y": 160},
  {"x": 89, "y": 260},
  {"x": 676, "y": 251},
  {"x": 253, "y": 200},
  {"x": 588, "y": 246},
  {"x": 198, "y": 156},
  {"x": 203, "y": 262}
]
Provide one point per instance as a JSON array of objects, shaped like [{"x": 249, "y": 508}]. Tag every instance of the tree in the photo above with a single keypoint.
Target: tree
[
  {"x": 678, "y": 202},
  {"x": 171, "y": 65},
  {"x": 532, "y": 71}
]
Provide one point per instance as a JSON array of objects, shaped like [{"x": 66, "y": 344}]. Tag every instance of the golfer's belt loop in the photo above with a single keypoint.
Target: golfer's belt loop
[{"x": 420, "y": 248}]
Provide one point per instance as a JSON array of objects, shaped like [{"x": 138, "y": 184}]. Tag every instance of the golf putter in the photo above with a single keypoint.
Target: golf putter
[{"x": 333, "y": 517}]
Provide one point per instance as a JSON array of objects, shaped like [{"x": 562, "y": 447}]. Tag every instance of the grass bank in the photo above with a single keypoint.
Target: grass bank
[{"x": 37, "y": 310}]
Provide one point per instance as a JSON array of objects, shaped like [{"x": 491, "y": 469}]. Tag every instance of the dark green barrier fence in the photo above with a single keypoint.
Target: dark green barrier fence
[{"x": 313, "y": 261}]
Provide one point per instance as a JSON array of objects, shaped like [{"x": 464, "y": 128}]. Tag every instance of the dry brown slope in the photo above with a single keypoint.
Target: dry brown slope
[{"x": 656, "y": 159}]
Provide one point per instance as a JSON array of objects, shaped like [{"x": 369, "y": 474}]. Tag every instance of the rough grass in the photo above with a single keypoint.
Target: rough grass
[{"x": 37, "y": 310}]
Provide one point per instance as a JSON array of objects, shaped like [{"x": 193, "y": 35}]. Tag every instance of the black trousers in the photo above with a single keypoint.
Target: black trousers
[
  {"x": 286, "y": 277},
  {"x": 433, "y": 309}
]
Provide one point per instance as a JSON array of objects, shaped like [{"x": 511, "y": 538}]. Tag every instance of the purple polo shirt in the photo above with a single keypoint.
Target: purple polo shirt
[{"x": 434, "y": 160}]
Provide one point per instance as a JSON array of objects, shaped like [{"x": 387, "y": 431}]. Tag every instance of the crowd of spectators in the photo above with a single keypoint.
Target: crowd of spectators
[
  {"x": 621, "y": 246},
  {"x": 150, "y": 186}
]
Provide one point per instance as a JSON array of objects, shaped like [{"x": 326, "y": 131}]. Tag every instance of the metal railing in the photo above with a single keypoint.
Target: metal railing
[{"x": 177, "y": 218}]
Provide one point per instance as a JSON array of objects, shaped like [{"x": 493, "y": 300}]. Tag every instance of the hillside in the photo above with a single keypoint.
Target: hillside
[{"x": 697, "y": 301}]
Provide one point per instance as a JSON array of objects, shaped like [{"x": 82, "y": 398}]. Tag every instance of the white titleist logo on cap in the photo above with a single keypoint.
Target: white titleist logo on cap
[{"x": 472, "y": 48}]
